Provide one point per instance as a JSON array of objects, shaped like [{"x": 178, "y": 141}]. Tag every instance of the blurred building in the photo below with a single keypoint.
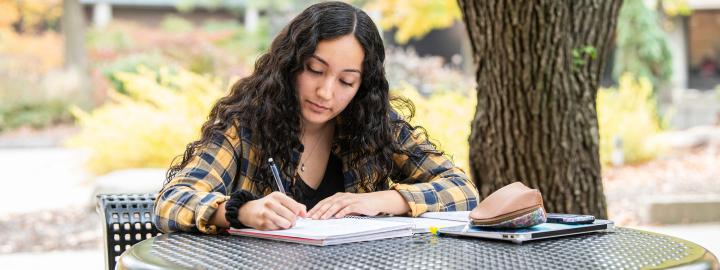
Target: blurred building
[
  {"x": 694, "y": 42},
  {"x": 702, "y": 38},
  {"x": 150, "y": 13}
]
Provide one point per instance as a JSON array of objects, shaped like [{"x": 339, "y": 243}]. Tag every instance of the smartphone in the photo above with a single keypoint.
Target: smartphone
[{"x": 570, "y": 219}]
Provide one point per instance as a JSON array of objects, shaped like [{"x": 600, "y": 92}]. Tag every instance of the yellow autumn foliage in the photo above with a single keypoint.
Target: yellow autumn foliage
[
  {"x": 29, "y": 14},
  {"x": 34, "y": 49},
  {"x": 676, "y": 7},
  {"x": 447, "y": 116},
  {"x": 413, "y": 18},
  {"x": 162, "y": 112},
  {"x": 31, "y": 54},
  {"x": 165, "y": 109},
  {"x": 8, "y": 13},
  {"x": 628, "y": 113}
]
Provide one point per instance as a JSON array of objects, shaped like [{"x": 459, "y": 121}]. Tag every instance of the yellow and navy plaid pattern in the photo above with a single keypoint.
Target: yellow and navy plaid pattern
[{"x": 428, "y": 182}]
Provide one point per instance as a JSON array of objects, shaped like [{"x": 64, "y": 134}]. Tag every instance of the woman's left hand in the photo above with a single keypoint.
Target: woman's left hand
[
  {"x": 369, "y": 204},
  {"x": 342, "y": 204}
]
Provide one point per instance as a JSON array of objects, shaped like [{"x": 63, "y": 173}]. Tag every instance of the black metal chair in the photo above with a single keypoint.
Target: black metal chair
[{"x": 128, "y": 220}]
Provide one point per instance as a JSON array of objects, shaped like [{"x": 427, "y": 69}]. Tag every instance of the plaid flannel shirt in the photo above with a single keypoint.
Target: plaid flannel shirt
[{"x": 428, "y": 183}]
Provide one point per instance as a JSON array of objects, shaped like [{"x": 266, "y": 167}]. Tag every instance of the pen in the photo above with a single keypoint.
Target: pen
[{"x": 276, "y": 175}]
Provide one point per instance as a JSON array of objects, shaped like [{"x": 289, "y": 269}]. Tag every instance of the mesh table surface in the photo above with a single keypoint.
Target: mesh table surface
[{"x": 619, "y": 249}]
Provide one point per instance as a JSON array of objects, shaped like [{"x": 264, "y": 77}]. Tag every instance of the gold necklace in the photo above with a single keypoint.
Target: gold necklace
[{"x": 317, "y": 141}]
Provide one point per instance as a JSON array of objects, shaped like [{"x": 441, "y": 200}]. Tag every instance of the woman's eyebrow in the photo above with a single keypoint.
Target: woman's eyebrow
[{"x": 326, "y": 64}]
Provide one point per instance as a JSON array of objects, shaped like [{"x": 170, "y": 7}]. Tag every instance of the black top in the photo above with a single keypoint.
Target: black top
[{"x": 331, "y": 183}]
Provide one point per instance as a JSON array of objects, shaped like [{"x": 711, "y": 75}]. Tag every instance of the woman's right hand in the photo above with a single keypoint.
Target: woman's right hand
[{"x": 273, "y": 212}]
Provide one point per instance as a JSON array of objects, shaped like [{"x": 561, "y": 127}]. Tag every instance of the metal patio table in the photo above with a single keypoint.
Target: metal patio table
[{"x": 620, "y": 248}]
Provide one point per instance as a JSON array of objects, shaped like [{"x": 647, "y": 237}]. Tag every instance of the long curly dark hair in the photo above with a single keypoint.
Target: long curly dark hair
[{"x": 266, "y": 102}]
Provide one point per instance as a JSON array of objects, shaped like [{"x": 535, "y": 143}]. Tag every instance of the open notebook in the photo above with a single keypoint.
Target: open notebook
[
  {"x": 462, "y": 216},
  {"x": 333, "y": 231},
  {"x": 429, "y": 220},
  {"x": 423, "y": 224}
]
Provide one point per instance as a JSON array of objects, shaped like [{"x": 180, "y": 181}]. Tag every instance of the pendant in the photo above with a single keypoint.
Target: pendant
[{"x": 302, "y": 167}]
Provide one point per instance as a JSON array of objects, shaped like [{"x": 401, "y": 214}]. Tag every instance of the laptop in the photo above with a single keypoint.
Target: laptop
[{"x": 541, "y": 231}]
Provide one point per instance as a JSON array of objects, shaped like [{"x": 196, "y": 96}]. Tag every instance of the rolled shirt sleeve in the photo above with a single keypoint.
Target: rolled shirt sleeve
[
  {"x": 429, "y": 181},
  {"x": 188, "y": 200}
]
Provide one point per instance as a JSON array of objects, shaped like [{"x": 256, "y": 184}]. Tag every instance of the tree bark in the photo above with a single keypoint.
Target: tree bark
[
  {"x": 76, "y": 59},
  {"x": 538, "y": 70},
  {"x": 74, "y": 33}
]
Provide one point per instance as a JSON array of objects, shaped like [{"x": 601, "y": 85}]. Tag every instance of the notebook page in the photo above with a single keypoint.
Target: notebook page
[
  {"x": 422, "y": 225},
  {"x": 453, "y": 215},
  {"x": 333, "y": 228}
]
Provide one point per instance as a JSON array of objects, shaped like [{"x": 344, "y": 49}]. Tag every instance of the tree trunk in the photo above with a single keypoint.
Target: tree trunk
[
  {"x": 538, "y": 71},
  {"x": 74, "y": 33},
  {"x": 76, "y": 59}
]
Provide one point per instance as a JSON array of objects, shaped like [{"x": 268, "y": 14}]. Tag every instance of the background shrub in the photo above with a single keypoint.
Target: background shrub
[
  {"x": 446, "y": 115},
  {"x": 628, "y": 113},
  {"x": 162, "y": 112}
]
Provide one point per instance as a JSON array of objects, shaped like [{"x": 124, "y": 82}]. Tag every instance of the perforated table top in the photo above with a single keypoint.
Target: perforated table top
[{"x": 618, "y": 249}]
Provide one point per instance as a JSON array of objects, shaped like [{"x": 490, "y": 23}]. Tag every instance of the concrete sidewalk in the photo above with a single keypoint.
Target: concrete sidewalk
[
  {"x": 81, "y": 259},
  {"x": 43, "y": 178}
]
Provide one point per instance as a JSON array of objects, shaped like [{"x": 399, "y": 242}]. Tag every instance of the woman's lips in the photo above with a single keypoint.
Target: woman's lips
[{"x": 317, "y": 108}]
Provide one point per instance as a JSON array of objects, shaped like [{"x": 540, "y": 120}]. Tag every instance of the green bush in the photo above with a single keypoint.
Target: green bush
[
  {"x": 221, "y": 48},
  {"x": 642, "y": 47},
  {"x": 33, "y": 100},
  {"x": 36, "y": 114},
  {"x": 150, "y": 125},
  {"x": 129, "y": 64},
  {"x": 176, "y": 24},
  {"x": 628, "y": 113},
  {"x": 240, "y": 44},
  {"x": 108, "y": 40}
]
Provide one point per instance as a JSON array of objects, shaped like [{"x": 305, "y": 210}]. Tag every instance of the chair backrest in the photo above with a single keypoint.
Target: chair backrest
[{"x": 128, "y": 220}]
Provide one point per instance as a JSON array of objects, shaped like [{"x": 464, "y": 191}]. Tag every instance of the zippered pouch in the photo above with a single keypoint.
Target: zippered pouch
[{"x": 512, "y": 206}]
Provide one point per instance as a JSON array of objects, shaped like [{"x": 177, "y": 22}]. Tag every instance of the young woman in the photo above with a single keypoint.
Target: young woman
[{"x": 318, "y": 104}]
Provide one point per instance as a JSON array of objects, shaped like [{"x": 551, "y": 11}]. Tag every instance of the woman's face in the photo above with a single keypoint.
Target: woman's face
[{"x": 330, "y": 79}]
